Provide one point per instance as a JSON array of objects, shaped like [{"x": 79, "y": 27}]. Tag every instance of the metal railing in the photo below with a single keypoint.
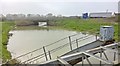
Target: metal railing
[
  {"x": 96, "y": 53},
  {"x": 45, "y": 53}
]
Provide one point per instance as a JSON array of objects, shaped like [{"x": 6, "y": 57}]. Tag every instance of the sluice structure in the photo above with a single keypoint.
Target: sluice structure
[{"x": 101, "y": 50}]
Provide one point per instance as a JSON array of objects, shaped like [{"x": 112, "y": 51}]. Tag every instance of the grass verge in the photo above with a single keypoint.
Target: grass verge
[
  {"x": 83, "y": 25},
  {"x": 6, "y": 27},
  {"x": 87, "y": 25}
]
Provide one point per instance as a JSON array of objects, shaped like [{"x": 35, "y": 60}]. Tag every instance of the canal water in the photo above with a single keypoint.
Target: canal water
[{"x": 23, "y": 41}]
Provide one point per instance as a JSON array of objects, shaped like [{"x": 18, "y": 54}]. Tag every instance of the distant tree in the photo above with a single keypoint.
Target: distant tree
[
  {"x": 28, "y": 15},
  {"x": 59, "y": 15},
  {"x": 49, "y": 15},
  {"x": 118, "y": 18},
  {"x": 3, "y": 18}
]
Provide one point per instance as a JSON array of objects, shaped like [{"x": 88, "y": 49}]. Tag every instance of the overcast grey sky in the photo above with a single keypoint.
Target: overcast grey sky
[{"x": 67, "y": 7}]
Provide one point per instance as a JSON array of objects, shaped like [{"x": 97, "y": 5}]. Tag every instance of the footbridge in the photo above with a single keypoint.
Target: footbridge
[{"x": 76, "y": 50}]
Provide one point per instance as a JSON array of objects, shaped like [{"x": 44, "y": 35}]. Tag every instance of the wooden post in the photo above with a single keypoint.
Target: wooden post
[
  {"x": 70, "y": 43},
  {"x": 77, "y": 42},
  {"x": 45, "y": 53},
  {"x": 49, "y": 55}
]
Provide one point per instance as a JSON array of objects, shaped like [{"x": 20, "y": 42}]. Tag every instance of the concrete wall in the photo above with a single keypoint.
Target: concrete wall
[{"x": 42, "y": 23}]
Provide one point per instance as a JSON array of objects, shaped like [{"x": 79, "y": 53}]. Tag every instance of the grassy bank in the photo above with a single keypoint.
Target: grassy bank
[
  {"x": 82, "y": 25},
  {"x": 0, "y": 40},
  {"x": 88, "y": 25},
  {"x": 6, "y": 27}
]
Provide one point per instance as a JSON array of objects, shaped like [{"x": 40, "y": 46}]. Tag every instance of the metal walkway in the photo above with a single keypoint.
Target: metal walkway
[
  {"x": 71, "y": 59},
  {"x": 74, "y": 49}
]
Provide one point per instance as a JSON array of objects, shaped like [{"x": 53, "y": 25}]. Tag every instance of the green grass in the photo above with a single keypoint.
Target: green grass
[
  {"x": 88, "y": 25},
  {"x": 6, "y": 27},
  {"x": 0, "y": 40},
  {"x": 83, "y": 25}
]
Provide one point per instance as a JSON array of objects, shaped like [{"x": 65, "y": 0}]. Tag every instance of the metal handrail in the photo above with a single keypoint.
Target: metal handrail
[
  {"x": 40, "y": 48},
  {"x": 33, "y": 58},
  {"x": 68, "y": 43},
  {"x": 61, "y": 40},
  {"x": 54, "y": 50},
  {"x": 36, "y": 59}
]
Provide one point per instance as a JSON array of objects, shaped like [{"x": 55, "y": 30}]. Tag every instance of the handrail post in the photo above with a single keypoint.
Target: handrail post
[
  {"x": 70, "y": 43},
  {"x": 114, "y": 56},
  {"x": 96, "y": 37},
  {"x": 49, "y": 55},
  {"x": 45, "y": 53},
  {"x": 101, "y": 56},
  {"x": 82, "y": 60},
  {"x": 77, "y": 42}
]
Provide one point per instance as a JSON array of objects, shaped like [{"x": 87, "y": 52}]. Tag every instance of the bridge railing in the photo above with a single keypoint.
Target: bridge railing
[
  {"x": 51, "y": 51},
  {"x": 52, "y": 54}
]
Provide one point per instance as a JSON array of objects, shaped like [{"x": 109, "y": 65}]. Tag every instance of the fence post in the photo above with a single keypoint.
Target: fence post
[
  {"x": 96, "y": 37},
  {"x": 114, "y": 55},
  {"x": 77, "y": 42},
  {"x": 49, "y": 55},
  {"x": 70, "y": 43},
  {"x": 45, "y": 53},
  {"x": 82, "y": 60}
]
